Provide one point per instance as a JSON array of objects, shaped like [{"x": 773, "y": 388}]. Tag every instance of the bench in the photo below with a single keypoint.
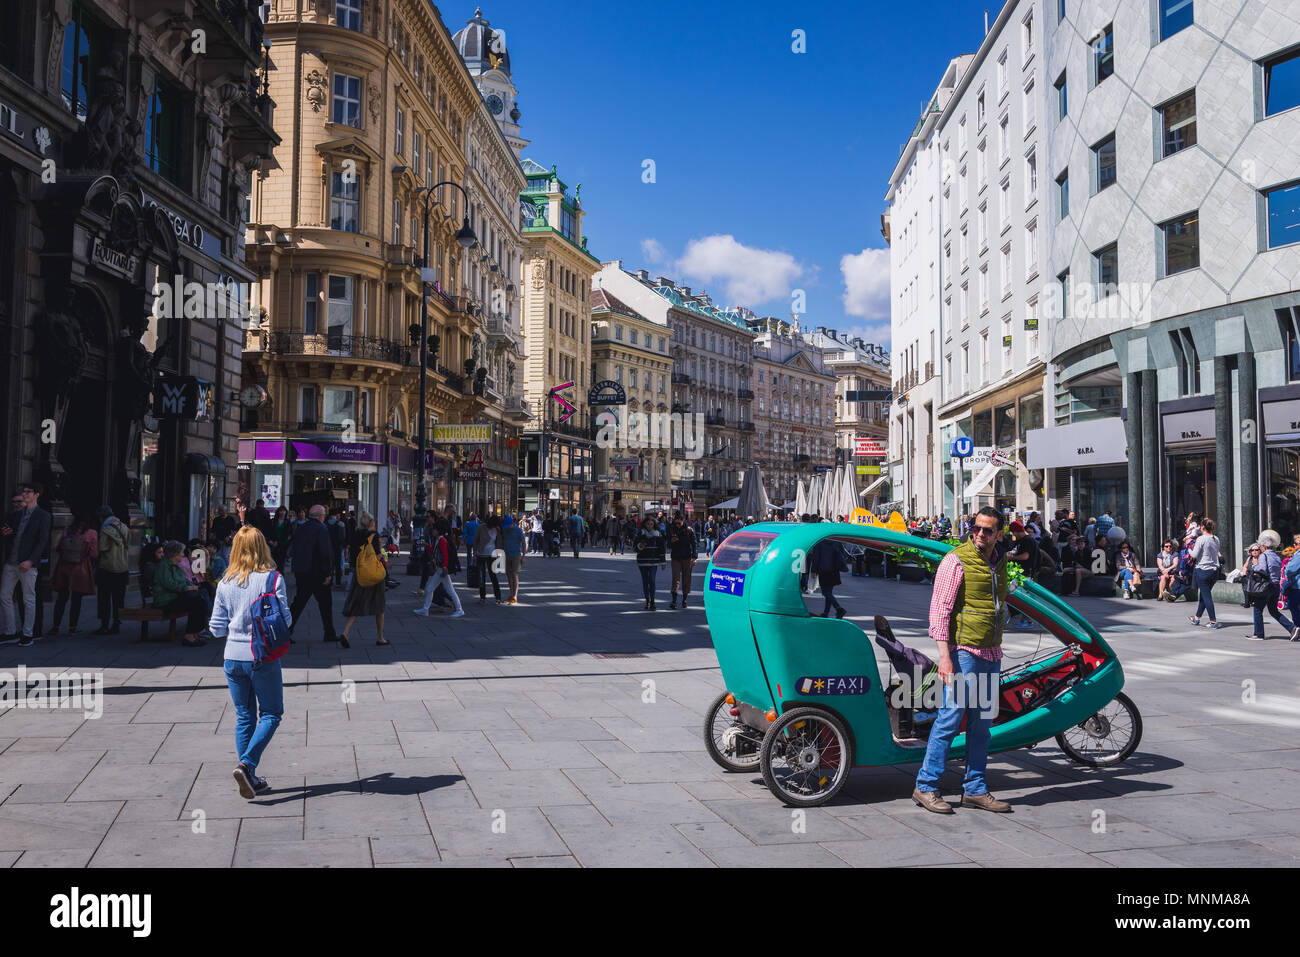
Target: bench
[{"x": 145, "y": 615}]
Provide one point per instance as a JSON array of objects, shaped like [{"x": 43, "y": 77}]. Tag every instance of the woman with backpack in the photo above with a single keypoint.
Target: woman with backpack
[
  {"x": 1262, "y": 582},
  {"x": 256, "y": 687},
  {"x": 74, "y": 574},
  {"x": 649, "y": 557},
  {"x": 366, "y": 592},
  {"x": 437, "y": 559}
]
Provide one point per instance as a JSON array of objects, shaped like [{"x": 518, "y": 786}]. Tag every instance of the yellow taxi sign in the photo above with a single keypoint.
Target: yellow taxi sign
[
  {"x": 861, "y": 516},
  {"x": 896, "y": 523}
]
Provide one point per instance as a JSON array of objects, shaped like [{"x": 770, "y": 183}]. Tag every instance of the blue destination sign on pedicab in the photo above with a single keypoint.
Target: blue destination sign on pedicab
[{"x": 733, "y": 583}]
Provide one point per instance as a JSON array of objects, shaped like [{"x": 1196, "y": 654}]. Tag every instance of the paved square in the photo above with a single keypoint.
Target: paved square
[{"x": 500, "y": 739}]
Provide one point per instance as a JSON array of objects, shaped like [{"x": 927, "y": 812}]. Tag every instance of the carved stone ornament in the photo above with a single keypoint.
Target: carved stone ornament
[
  {"x": 316, "y": 90},
  {"x": 539, "y": 275},
  {"x": 62, "y": 347},
  {"x": 373, "y": 88}
]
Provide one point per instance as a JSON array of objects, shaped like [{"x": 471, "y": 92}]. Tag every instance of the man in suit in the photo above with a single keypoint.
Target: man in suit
[
  {"x": 29, "y": 527},
  {"x": 313, "y": 570},
  {"x": 260, "y": 519}
]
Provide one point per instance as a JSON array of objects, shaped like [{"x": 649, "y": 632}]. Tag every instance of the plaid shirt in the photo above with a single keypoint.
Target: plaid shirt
[{"x": 948, "y": 580}]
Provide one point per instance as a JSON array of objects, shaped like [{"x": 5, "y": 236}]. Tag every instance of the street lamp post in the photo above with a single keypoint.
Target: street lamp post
[{"x": 465, "y": 237}]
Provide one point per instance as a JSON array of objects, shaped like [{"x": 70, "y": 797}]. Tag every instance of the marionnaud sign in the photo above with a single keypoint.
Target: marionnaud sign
[{"x": 606, "y": 392}]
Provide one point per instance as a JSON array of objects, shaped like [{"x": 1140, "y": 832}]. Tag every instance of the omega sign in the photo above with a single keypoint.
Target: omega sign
[{"x": 186, "y": 231}]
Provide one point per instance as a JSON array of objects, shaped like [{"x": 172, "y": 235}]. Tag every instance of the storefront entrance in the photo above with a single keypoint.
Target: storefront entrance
[
  {"x": 1192, "y": 488},
  {"x": 1282, "y": 485}
]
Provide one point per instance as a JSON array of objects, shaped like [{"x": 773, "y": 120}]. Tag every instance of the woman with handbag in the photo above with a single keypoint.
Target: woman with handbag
[
  {"x": 1262, "y": 580},
  {"x": 256, "y": 687},
  {"x": 370, "y": 570},
  {"x": 74, "y": 575},
  {"x": 1129, "y": 570}
]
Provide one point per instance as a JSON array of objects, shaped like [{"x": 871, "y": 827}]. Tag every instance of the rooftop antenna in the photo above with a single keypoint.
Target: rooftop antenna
[{"x": 986, "y": 22}]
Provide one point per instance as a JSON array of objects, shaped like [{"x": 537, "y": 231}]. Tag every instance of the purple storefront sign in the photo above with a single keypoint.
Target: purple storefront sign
[
  {"x": 338, "y": 452},
  {"x": 253, "y": 450}
]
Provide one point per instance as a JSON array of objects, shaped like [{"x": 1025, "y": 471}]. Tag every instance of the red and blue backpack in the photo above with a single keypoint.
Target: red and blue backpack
[{"x": 269, "y": 630}]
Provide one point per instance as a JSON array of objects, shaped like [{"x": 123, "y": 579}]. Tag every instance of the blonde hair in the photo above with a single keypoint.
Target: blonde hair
[
  {"x": 249, "y": 553},
  {"x": 366, "y": 520}
]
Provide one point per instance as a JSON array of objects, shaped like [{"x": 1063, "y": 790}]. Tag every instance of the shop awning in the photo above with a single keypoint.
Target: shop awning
[
  {"x": 1079, "y": 444},
  {"x": 873, "y": 486},
  {"x": 729, "y": 503},
  {"x": 196, "y": 463}
]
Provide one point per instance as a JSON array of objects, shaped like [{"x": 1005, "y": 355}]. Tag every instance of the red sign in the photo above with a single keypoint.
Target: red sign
[
  {"x": 475, "y": 461},
  {"x": 869, "y": 447}
]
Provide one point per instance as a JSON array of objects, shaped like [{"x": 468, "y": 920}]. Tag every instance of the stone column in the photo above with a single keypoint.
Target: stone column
[
  {"x": 1250, "y": 426},
  {"x": 1133, "y": 433},
  {"x": 1152, "y": 535},
  {"x": 1223, "y": 428}
]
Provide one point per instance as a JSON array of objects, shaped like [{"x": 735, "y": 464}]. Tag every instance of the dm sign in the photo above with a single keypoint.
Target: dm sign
[
  {"x": 606, "y": 392},
  {"x": 833, "y": 684}
]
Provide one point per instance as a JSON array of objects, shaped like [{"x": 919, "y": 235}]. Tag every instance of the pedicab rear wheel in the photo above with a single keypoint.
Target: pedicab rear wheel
[
  {"x": 730, "y": 744},
  {"x": 806, "y": 757},
  {"x": 1106, "y": 738}
]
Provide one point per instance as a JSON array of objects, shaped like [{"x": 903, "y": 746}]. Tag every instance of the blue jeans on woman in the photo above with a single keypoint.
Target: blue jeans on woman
[
  {"x": 977, "y": 697},
  {"x": 828, "y": 592},
  {"x": 255, "y": 687},
  {"x": 1271, "y": 607},
  {"x": 1205, "y": 579},
  {"x": 648, "y": 580}
]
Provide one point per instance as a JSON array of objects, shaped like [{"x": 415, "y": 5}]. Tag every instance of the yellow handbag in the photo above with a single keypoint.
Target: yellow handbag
[{"x": 370, "y": 567}]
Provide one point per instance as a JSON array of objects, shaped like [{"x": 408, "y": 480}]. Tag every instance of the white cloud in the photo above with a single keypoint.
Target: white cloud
[
  {"x": 866, "y": 285},
  {"x": 751, "y": 276},
  {"x": 654, "y": 252}
]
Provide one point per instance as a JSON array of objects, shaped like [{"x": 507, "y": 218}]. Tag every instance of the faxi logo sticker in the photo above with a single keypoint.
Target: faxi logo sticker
[{"x": 833, "y": 684}]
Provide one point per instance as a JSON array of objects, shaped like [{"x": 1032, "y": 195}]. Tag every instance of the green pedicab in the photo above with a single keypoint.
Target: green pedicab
[{"x": 804, "y": 701}]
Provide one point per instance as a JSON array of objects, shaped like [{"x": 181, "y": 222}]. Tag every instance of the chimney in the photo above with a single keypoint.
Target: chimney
[
  {"x": 686, "y": 292},
  {"x": 643, "y": 274},
  {"x": 663, "y": 281},
  {"x": 831, "y": 333}
]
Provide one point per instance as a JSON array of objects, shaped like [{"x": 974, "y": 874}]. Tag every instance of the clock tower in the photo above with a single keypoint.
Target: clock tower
[{"x": 486, "y": 52}]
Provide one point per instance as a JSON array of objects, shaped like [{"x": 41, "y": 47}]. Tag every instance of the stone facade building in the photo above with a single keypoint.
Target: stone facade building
[
  {"x": 858, "y": 367},
  {"x": 127, "y": 144}
]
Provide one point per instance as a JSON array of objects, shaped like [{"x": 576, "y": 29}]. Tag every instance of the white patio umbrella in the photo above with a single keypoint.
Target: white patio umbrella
[
  {"x": 845, "y": 500},
  {"x": 800, "y": 499},
  {"x": 815, "y": 494}
]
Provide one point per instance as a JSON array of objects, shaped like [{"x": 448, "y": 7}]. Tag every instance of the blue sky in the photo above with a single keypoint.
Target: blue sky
[{"x": 770, "y": 166}]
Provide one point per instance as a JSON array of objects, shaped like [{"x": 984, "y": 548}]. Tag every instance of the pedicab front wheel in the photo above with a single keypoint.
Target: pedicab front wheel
[
  {"x": 1106, "y": 738},
  {"x": 730, "y": 743},
  {"x": 806, "y": 757}
]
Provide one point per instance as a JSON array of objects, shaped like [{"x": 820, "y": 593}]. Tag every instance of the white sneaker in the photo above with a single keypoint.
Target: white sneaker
[
  {"x": 457, "y": 614},
  {"x": 420, "y": 611}
]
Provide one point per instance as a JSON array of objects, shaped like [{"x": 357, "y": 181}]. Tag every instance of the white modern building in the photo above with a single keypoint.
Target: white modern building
[
  {"x": 912, "y": 227},
  {"x": 1171, "y": 131},
  {"x": 993, "y": 225}
]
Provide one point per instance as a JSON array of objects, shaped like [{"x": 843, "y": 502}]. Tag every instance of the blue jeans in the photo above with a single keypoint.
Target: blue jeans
[
  {"x": 255, "y": 687},
  {"x": 1205, "y": 579},
  {"x": 828, "y": 592},
  {"x": 648, "y": 573},
  {"x": 1271, "y": 608},
  {"x": 968, "y": 668}
]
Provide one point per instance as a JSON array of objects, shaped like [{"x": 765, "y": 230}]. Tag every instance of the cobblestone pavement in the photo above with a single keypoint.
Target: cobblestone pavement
[{"x": 505, "y": 739}]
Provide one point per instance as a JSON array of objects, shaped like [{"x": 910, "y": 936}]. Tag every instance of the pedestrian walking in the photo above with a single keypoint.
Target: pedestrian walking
[
  {"x": 438, "y": 556},
  {"x": 259, "y": 518},
  {"x": 966, "y": 613},
  {"x": 338, "y": 537},
  {"x": 27, "y": 534},
  {"x": 576, "y": 529},
  {"x": 1263, "y": 585},
  {"x": 1205, "y": 557},
  {"x": 613, "y": 532},
  {"x": 256, "y": 687},
  {"x": 172, "y": 591},
  {"x": 281, "y": 536},
  {"x": 112, "y": 571},
  {"x": 826, "y": 560},
  {"x": 650, "y": 557},
  {"x": 682, "y": 549},
  {"x": 710, "y": 536},
  {"x": 312, "y": 555},
  {"x": 471, "y": 532},
  {"x": 367, "y": 589},
  {"x": 223, "y": 524},
  {"x": 74, "y": 572},
  {"x": 486, "y": 542},
  {"x": 512, "y": 541}
]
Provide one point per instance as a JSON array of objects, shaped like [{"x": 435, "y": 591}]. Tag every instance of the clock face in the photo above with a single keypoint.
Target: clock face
[
  {"x": 251, "y": 396},
  {"x": 495, "y": 104}
]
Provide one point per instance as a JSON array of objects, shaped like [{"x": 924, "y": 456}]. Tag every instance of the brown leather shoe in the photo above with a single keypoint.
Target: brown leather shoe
[
  {"x": 931, "y": 801},
  {"x": 986, "y": 802}
]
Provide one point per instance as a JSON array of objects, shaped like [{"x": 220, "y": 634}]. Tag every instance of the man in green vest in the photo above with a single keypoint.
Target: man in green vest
[{"x": 967, "y": 611}]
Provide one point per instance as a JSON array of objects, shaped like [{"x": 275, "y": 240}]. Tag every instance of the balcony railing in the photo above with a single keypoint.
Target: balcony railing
[
  {"x": 253, "y": 424},
  {"x": 454, "y": 379},
  {"x": 681, "y": 378},
  {"x": 745, "y": 394},
  {"x": 331, "y": 344},
  {"x": 715, "y": 420},
  {"x": 745, "y": 426}
]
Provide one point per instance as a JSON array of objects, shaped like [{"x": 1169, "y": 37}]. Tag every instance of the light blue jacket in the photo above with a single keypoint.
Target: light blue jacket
[{"x": 232, "y": 617}]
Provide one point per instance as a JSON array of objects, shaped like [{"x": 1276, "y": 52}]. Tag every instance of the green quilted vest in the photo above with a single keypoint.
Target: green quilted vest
[{"x": 977, "y": 616}]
